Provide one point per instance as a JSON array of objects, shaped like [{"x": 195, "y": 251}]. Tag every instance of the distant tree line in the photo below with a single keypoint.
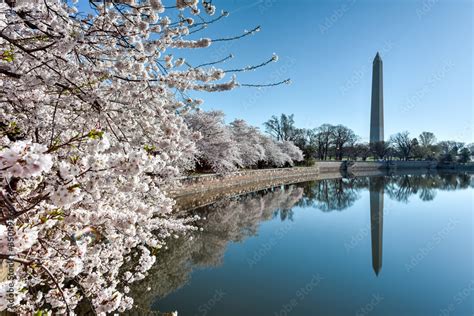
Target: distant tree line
[{"x": 338, "y": 142}]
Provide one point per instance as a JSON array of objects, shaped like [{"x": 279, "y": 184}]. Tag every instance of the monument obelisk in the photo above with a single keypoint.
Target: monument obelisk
[
  {"x": 376, "y": 113},
  {"x": 376, "y": 185}
]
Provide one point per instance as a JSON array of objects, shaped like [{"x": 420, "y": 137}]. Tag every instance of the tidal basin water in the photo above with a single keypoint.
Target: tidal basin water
[{"x": 386, "y": 245}]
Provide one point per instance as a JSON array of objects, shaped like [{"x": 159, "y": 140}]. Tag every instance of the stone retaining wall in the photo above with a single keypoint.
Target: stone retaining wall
[
  {"x": 413, "y": 165},
  {"x": 193, "y": 184},
  {"x": 191, "y": 198},
  {"x": 390, "y": 165},
  {"x": 330, "y": 166},
  {"x": 203, "y": 183},
  {"x": 366, "y": 165}
]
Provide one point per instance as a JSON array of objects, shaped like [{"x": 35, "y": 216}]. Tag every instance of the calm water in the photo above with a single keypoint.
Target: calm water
[{"x": 393, "y": 245}]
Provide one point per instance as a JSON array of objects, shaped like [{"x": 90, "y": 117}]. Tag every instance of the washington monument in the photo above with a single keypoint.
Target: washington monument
[
  {"x": 376, "y": 186},
  {"x": 376, "y": 113}
]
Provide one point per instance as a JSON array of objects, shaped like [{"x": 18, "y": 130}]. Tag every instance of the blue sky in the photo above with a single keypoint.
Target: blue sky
[{"x": 327, "y": 47}]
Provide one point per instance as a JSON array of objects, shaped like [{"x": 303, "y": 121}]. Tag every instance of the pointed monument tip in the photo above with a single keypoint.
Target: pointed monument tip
[
  {"x": 377, "y": 57},
  {"x": 377, "y": 271}
]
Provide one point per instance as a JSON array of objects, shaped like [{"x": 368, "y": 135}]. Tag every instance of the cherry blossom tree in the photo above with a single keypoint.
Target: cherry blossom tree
[
  {"x": 247, "y": 139},
  {"x": 216, "y": 148},
  {"x": 274, "y": 156},
  {"x": 291, "y": 150},
  {"x": 225, "y": 148},
  {"x": 90, "y": 132}
]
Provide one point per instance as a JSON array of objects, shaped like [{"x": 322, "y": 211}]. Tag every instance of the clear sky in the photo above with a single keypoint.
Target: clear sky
[{"x": 327, "y": 47}]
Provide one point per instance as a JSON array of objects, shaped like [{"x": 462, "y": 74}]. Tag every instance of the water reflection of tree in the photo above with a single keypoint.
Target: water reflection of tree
[
  {"x": 228, "y": 220},
  {"x": 333, "y": 194},
  {"x": 339, "y": 194},
  {"x": 402, "y": 187}
]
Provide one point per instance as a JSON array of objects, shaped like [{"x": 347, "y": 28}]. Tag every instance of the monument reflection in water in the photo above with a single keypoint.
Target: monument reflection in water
[{"x": 376, "y": 188}]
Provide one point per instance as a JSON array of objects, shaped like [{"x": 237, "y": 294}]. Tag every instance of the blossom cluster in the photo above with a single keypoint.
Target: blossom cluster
[
  {"x": 24, "y": 160},
  {"x": 225, "y": 148}
]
